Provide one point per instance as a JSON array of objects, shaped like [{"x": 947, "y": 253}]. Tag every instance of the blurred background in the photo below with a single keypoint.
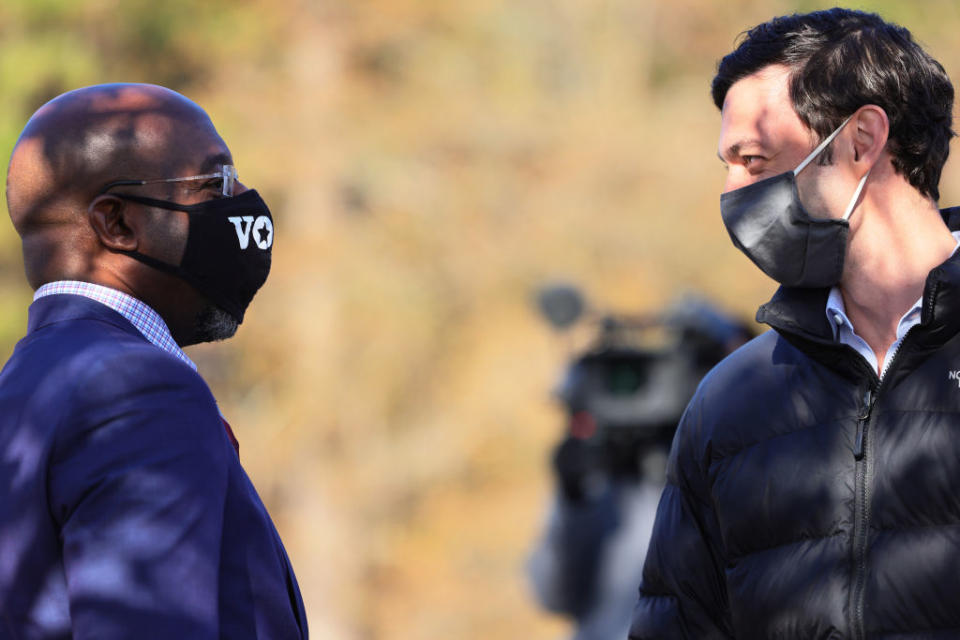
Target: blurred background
[{"x": 430, "y": 163}]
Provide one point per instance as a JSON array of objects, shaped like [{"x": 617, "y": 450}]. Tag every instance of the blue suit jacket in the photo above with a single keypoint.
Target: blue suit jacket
[{"x": 124, "y": 511}]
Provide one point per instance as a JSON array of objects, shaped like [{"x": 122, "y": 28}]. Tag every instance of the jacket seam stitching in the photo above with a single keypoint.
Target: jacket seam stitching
[
  {"x": 916, "y": 526},
  {"x": 925, "y": 629},
  {"x": 839, "y": 420},
  {"x": 649, "y": 594},
  {"x": 752, "y": 552}
]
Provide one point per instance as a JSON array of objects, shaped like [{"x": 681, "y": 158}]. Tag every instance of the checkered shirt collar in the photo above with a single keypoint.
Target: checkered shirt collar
[{"x": 146, "y": 320}]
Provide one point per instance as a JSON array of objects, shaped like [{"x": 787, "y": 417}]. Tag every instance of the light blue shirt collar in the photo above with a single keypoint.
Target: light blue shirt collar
[
  {"x": 147, "y": 321},
  {"x": 844, "y": 332}
]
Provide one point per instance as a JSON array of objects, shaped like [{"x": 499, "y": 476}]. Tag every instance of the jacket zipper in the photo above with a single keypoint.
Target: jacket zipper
[
  {"x": 862, "y": 495},
  {"x": 862, "y": 419},
  {"x": 861, "y": 514}
]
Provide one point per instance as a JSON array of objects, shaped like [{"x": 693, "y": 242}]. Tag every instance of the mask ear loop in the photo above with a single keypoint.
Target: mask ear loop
[
  {"x": 856, "y": 195},
  {"x": 821, "y": 146}
]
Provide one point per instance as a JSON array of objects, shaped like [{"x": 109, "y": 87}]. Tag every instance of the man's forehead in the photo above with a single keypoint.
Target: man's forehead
[
  {"x": 191, "y": 145},
  {"x": 768, "y": 87},
  {"x": 756, "y": 108}
]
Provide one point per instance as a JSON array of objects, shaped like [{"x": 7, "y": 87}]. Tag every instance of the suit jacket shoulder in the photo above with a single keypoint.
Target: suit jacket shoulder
[{"x": 128, "y": 506}]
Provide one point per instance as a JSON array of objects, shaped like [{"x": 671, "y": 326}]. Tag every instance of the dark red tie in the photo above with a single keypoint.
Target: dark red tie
[{"x": 233, "y": 438}]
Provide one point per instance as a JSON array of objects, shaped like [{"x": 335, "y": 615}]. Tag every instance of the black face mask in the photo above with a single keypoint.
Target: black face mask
[
  {"x": 767, "y": 221},
  {"x": 228, "y": 252}
]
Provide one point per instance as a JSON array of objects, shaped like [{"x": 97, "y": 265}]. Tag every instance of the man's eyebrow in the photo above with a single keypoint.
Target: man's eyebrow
[
  {"x": 734, "y": 149},
  {"x": 214, "y": 162}
]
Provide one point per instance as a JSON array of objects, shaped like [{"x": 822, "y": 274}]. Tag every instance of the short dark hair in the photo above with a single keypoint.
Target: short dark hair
[{"x": 842, "y": 59}]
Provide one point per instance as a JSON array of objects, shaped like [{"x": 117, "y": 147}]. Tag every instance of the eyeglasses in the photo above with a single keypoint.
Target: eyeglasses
[{"x": 227, "y": 173}]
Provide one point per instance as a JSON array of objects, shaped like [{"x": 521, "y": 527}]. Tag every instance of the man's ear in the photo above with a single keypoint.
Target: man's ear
[
  {"x": 870, "y": 130},
  {"x": 110, "y": 220}
]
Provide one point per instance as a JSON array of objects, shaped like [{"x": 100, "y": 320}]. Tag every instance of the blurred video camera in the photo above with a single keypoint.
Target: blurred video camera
[{"x": 624, "y": 394}]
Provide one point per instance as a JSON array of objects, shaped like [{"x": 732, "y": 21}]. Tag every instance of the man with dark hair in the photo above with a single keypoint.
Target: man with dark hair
[
  {"x": 125, "y": 512},
  {"x": 812, "y": 482}
]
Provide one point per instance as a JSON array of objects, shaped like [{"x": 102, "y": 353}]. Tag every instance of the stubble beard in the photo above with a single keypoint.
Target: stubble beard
[{"x": 214, "y": 324}]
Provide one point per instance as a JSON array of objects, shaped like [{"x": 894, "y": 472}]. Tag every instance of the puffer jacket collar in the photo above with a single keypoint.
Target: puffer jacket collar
[{"x": 798, "y": 315}]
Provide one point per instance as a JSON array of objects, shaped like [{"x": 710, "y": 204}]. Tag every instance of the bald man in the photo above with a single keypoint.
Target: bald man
[{"x": 125, "y": 512}]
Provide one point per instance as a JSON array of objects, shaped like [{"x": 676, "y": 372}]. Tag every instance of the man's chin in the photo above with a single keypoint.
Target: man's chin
[{"x": 213, "y": 324}]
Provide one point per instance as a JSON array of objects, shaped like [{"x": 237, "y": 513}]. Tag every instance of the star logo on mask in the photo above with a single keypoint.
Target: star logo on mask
[{"x": 263, "y": 232}]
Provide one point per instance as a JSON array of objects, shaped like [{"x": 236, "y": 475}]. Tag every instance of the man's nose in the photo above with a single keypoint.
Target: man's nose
[
  {"x": 736, "y": 177},
  {"x": 239, "y": 187}
]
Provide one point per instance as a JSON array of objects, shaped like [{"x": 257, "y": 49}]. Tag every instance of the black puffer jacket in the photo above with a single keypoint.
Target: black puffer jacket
[{"x": 807, "y": 498}]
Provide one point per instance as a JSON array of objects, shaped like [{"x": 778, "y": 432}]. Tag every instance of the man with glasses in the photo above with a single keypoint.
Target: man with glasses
[{"x": 125, "y": 511}]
